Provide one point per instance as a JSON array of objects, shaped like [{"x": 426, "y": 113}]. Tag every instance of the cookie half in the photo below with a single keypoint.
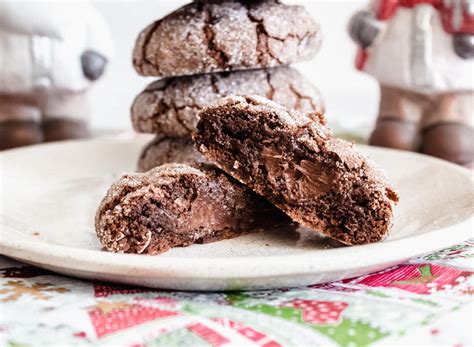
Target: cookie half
[
  {"x": 204, "y": 37},
  {"x": 164, "y": 150},
  {"x": 295, "y": 162},
  {"x": 176, "y": 205},
  {"x": 170, "y": 106}
]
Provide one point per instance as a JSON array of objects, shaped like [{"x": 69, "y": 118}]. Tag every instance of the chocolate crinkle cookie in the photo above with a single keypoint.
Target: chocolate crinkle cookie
[
  {"x": 295, "y": 162},
  {"x": 211, "y": 36},
  {"x": 176, "y": 205},
  {"x": 170, "y": 106},
  {"x": 163, "y": 150}
]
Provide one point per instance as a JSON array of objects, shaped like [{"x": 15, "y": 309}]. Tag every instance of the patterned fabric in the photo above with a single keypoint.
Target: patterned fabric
[{"x": 427, "y": 300}]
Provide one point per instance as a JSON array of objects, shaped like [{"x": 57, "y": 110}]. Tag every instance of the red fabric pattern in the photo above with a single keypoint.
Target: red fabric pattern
[
  {"x": 250, "y": 333},
  {"x": 419, "y": 278},
  {"x": 121, "y": 319},
  {"x": 320, "y": 312},
  {"x": 209, "y": 335}
]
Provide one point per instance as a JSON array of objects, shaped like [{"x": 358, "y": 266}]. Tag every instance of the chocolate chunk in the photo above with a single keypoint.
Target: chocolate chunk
[
  {"x": 293, "y": 160},
  {"x": 170, "y": 106},
  {"x": 176, "y": 205},
  {"x": 164, "y": 150},
  {"x": 204, "y": 37}
]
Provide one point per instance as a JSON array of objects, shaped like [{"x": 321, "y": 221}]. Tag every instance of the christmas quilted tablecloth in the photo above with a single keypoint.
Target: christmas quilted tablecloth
[{"x": 425, "y": 301}]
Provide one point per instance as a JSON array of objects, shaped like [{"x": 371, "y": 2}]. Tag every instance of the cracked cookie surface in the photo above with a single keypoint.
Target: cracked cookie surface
[
  {"x": 163, "y": 150},
  {"x": 170, "y": 106},
  {"x": 293, "y": 160},
  {"x": 204, "y": 37},
  {"x": 176, "y": 205}
]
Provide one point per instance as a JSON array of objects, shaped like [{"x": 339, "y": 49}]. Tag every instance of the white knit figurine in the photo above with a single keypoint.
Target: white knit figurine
[
  {"x": 422, "y": 54},
  {"x": 50, "y": 54}
]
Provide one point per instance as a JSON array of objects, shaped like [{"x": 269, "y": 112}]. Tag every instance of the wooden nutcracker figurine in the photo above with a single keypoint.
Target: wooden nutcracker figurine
[
  {"x": 50, "y": 53},
  {"x": 422, "y": 54}
]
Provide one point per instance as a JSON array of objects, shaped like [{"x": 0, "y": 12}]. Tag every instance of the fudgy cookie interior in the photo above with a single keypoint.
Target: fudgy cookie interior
[
  {"x": 308, "y": 181},
  {"x": 170, "y": 211}
]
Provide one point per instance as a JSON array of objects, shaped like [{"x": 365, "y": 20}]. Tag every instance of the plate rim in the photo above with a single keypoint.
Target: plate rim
[
  {"x": 189, "y": 267},
  {"x": 27, "y": 249}
]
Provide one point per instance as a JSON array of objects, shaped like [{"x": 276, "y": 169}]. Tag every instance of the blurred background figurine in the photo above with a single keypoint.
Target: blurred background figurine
[
  {"x": 422, "y": 54},
  {"x": 50, "y": 53}
]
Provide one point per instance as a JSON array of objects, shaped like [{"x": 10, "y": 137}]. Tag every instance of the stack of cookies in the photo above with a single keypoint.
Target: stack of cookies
[
  {"x": 251, "y": 163},
  {"x": 211, "y": 49},
  {"x": 272, "y": 166}
]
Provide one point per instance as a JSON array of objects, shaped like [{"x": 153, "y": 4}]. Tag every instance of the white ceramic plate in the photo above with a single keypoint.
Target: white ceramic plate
[{"x": 50, "y": 193}]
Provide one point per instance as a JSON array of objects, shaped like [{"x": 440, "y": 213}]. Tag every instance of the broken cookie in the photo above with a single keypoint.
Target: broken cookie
[
  {"x": 293, "y": 160},
  {"x": 176, "y": 205}
]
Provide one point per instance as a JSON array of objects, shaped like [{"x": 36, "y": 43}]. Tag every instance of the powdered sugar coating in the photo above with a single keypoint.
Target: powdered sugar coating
[
  {"x": 133, "y": 181},
  {"x": 170, "y": 106},
  {"x": 207, "y": 37},
  {"x": 262, "y": 105}
]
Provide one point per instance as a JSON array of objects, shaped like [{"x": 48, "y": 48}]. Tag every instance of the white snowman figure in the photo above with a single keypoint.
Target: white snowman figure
[
  {"x": 422, "y": 54},
  {"x": 50, "y": 54}
]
